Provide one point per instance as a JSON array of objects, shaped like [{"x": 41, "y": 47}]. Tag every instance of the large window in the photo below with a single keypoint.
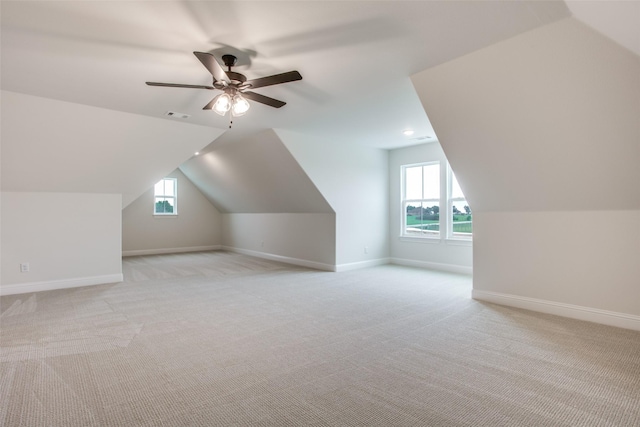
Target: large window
[
  {"x": 421, "y": 202},
  {"x": 165, "y": 198},
  {"x": 433, "y": 205}
]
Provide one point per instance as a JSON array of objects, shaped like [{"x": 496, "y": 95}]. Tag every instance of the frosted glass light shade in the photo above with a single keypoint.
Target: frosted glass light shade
[
  {"x": 240, "y": 105},
  {"x": 222, "y": 104}
]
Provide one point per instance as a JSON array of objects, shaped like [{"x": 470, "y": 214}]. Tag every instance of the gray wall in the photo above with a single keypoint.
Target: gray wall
[
  {"x": 442, "y": 254},
  {"x": 68, "y": 239},
  {"x": 542, "y": 131},
  {"x": 355, "y": 182},
  {"x": 307, "y": 239},
  {"x": 270, "y": 206},
  {"x": 67, "y": 171},
  {"x": 198, "y": 225}
]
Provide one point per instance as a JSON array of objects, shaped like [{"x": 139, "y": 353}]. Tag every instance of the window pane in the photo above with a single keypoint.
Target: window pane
[
  {"x": 159, "y": 205},
  {"x": 462, "y": 217},
  {"x": 158, "y": 189},
  {"x": 430, "y": 218},
  {"x": 422, "y": 219},
  {"x": 413, "y": 218},
  {"x": 431, "y": 177},
  {"x": 164, "y": 205},
  {"x": 168, "y": 187},
  {"x": 456, "y": 191},
  {"x": 413, "y": 183}
]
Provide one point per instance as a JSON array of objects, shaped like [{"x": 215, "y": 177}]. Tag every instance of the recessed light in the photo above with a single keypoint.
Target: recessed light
[
  {"x": 408, "y": 132},
  {"x": 196, "y": 153}
]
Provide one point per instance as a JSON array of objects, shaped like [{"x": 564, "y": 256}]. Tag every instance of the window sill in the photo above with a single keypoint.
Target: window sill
[
  {"x": 156, "y": 215},
  {"x": 430, "y": 240},
  {"x": 459, "y": 242},
  {"x": 437, "y": 240}
]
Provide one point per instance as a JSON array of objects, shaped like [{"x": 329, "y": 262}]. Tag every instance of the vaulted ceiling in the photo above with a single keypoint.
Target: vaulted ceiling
[
  {"x": 355, "y": 57},
  {"x": 73, "y": 75}
]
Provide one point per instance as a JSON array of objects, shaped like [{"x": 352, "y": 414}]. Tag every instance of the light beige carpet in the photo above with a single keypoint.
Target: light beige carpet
[{"x": 220, "y": 339}]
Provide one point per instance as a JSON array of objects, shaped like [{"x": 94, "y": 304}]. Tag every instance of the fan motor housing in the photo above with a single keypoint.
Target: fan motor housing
[{"x": 236, "y": 78}]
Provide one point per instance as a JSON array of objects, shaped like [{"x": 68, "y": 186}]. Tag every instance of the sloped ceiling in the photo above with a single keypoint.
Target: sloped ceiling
[
  {"x": 254, "y": 175},
  {"x": 355, "y": 56},
  {"x": 56, "y": 146},
  {"x": 356, "y": 59},
  {"x": 545, "y": 121}
]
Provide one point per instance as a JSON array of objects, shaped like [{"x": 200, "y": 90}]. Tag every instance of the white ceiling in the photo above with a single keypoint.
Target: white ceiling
[{"x": 356, "y": 57}]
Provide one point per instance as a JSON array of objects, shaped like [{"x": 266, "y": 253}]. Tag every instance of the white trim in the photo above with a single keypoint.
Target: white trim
[
  {"x": 596, "y": 315},
  {"x": 361, "y": 264},
  {"x": 450, "y": 268},
  {"x": 23, "y": 288},
  {"x": 284, "y": 259},
  {"x": 171, "y": 250},
  {"x": 459, "y": 241},
  {"x": 453, "y": 241},
  {"x": 436, "y": 240}
]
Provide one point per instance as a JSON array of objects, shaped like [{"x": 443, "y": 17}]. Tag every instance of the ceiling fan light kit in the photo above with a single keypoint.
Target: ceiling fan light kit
[
  {"x": 222, "y": 104},
  {"x": 234, "y": 85},
  {"x": 239, "y": 105}
]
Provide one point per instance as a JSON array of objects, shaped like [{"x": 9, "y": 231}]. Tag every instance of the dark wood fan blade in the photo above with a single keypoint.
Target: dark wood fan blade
[
  {"x": 276, "y": 79},
  {"x": 179, "y": 85},
  {"x": 209, "y": 106},
  {"x": 210, "y": 63},
  {"x": 263, "y": 99}
]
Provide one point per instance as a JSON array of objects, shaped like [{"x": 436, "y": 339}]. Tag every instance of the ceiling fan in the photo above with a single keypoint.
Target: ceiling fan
[{"x": 234, "y": 86}]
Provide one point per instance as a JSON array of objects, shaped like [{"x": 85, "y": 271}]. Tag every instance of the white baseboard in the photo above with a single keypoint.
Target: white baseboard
[
  {"x": 23, "y": 288},
  {"x": 284, "y": 259},
  {"x": 171, "y": 250},
  {"x": 449, "y": 268},
  {"x": 361, "y": 264},
  {"x": 611, "y": 318}
]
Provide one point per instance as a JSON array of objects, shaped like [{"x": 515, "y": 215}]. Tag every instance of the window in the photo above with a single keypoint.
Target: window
[
  {"x": 421, "y": 201},
  {"x": 165, "y": 194},
  {"x": 426, "y": 187},
  {"x": 461, "y": 216}
]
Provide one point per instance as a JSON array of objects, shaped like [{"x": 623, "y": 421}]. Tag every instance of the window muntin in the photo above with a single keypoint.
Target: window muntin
[
  {"x": 421, "y": 200},
  {"x": 165, "y": 197}
]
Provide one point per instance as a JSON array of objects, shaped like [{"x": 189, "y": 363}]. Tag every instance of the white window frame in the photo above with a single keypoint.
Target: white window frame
[
  {"x": 174, "y": 198},
  {"x": 403, "y": 203},
  {"x": 446, "y": 234}
]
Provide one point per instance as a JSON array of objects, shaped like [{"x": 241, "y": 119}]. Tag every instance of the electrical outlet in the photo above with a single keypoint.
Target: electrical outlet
[
  {"x": 262, "y": 244},
  {"x": 24, "y": 267},
  {"x": 366, "y": 249}
]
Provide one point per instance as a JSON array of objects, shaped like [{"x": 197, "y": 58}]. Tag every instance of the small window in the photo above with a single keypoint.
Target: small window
[
  {"x": 165, "y": 194},
  {"x": 421, "y": 200}
]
